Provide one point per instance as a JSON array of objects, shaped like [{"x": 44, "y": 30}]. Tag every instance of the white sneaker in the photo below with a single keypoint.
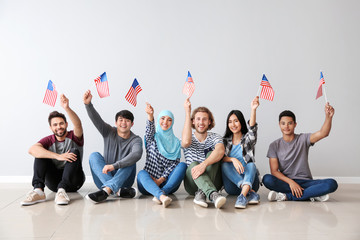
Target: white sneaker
[
  {"x": 166, "y": 202},
  {"x": 322, "y": 198},
  {"x": 276, "y": 196},
  {"x": 62, "y": 198},
  {"x": 156, "y": 200},
  {"x": 33, "y": 197}
]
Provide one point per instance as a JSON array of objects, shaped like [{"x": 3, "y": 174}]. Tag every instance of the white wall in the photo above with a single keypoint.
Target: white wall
[{"x": 226, "y": 45}]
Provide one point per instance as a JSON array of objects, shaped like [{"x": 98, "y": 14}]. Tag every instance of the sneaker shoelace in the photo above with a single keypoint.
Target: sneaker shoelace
[{"x": 30, "y": 196}]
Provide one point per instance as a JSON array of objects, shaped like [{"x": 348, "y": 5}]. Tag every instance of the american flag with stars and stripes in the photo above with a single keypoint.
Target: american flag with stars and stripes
[
  {"x": 50, "y": 94},
  {"x": 322, "y": 81},
  {"x": 133, "y": 92},
  {"x": 189, "y": 86},
  {"x": 266, "y": 91},
  {"x": 102, "y": 85}
]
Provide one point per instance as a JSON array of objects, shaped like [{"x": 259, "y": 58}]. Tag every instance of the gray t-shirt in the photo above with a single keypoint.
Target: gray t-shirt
[
  {"x": 118, "y": 151},
  {"x": 292, "y": 156}
]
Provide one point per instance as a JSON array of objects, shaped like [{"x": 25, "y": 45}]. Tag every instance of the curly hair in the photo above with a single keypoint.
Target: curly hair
[{"x": 205, "y": 110}]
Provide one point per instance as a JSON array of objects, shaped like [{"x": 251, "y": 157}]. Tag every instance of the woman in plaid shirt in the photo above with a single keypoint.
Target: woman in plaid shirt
[
  {"x": 238, "y": 167},
  {"x": 163, "y": 172}
]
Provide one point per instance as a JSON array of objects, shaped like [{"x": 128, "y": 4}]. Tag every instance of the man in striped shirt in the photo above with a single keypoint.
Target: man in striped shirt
[{"x": 203, "y": 152}]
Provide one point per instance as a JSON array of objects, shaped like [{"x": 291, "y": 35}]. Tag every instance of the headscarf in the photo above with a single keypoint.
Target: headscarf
[{"x": 168, "y": 144}]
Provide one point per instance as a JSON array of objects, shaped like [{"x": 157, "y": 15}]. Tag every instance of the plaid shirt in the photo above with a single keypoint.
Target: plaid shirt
[
  {"x": 156, "y": 164},
  {"x": 247, "y": 143}
]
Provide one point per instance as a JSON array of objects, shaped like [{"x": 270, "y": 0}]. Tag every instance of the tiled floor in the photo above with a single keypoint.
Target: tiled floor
[{"x": 140, "y": 218}]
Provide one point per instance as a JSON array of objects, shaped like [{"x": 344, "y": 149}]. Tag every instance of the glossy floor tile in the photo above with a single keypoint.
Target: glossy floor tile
[{"x": 141, "y": 218}]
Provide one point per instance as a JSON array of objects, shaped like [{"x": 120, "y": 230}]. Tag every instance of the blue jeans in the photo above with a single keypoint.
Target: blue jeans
[
  {"x": 122, "y": 177},
  {"x": 147, "y": 186},
  {"x": 233, "y": 181},
  {"x": 312, "y": 188}
]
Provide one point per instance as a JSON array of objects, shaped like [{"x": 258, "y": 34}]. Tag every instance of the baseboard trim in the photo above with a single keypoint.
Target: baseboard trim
[{"x": 27, "y": 179}]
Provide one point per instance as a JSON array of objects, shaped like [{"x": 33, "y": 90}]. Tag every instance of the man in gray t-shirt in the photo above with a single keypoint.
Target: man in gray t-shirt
[
  {"x": 114, "y": 172},
  {"x": 290, "y": 177},
  {"x": 58, "y": 157}
]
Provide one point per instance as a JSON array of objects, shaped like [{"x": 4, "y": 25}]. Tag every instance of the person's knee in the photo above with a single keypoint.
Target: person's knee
[
  {"x": 75, "y": 151},
  {"x": 225, "y": 166},
  {"x": 188, "y": 170},
  {"x": 331, "y": 185},
  {"x": 193, "y": 164},
  {"x": 141, "y": 174},
  {"x": 251, "y": 167},
  {"x": 182, "y": 165},
  {"x": 267, "y": 180},
  {"x": 94, "y": 157}
]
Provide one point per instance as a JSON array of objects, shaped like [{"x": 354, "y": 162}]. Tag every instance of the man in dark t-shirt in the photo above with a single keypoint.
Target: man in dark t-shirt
[{"x": 58, "y": 159}]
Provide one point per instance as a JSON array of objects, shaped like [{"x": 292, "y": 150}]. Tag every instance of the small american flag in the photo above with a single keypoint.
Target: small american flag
[
  {"x": 322, "y": 81},
  {"x": 266, "y": 91},
  {"x": 133, "y": 92},
  {"x": 50, "y": 94},
  {"x": 189, "y": 86},
  {"x": 102, "y": 85}
]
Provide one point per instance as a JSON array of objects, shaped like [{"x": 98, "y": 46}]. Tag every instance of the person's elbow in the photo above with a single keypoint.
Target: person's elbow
[
  {"x": 185, "y": 143},
  {"x": 32, "y": 150}
]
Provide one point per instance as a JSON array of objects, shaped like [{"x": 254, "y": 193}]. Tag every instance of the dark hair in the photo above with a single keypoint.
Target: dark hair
[
  {"x": 287, "y": 113},
  {"x": 55, "y": 114},
  {"x": 240, "y": 117},
  {"x": 206, "y": 110},
  {"x": 125, "y": 114}
]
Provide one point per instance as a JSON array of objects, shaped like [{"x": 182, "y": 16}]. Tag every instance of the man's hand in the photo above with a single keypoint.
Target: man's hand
[
  {"x": 68, "y": 156},
  {"x": 108, "y": 168},
  {"x": 198, "y": 170},
  {"x": 187, "y": 105},
  {"x": 87, "y": 97},
  {"x": 64, "y": 101},
  {"x": 329, "y": 110},
  {"x": 296, "y": 189}
]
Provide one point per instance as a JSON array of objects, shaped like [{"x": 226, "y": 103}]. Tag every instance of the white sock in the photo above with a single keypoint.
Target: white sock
[
  {"x": 39, "y": 191},
  {"x": 61, "y": 190}
]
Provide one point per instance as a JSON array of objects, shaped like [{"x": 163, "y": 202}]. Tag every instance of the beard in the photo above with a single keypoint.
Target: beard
[
  {"x": 62, "y": 130},
  {"x": 201, "y": 131}
]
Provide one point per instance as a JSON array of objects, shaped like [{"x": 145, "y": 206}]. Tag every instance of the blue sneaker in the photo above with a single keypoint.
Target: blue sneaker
[
  {"x": 241, "y": 201},
  {"x": 253, "y": 198}
]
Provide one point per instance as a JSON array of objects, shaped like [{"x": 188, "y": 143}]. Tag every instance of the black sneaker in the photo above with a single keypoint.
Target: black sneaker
[
  {"x": 127, "y": 192},
  {"x": 97, "y": 197}
]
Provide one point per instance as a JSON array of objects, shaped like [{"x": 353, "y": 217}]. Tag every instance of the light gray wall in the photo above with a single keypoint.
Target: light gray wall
[{"x": 226, "y": 45}]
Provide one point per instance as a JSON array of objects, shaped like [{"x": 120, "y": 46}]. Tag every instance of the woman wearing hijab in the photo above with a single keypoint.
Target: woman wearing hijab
[{"x": 163, "y": 171}]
